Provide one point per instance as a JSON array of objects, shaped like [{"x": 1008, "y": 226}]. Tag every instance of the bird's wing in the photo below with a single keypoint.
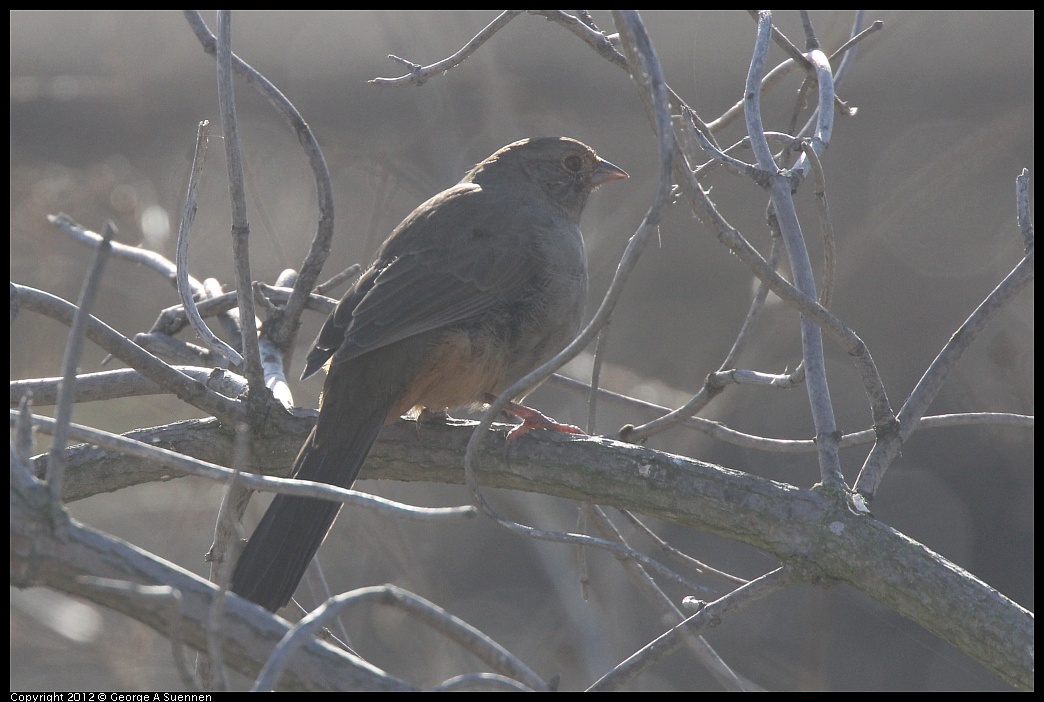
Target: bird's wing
[{"x": 456, "y": 256}]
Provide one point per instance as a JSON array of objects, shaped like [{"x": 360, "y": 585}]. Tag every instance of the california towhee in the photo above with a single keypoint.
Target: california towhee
[{"x": 475, "y": 288}]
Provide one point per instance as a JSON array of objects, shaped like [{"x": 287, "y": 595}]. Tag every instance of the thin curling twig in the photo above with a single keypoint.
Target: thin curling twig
[{"x": 188, "y": 217}]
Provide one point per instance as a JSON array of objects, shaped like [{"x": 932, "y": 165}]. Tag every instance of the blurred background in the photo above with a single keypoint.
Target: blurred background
[{"x": 104, "y": 111}]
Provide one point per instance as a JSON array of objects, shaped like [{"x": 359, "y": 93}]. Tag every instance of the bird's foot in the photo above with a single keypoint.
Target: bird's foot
[{"x": 533, "y": 419}]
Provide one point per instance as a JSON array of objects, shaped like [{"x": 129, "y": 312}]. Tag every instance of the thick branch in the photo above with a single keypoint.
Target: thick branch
[
  {"x": 61, "y": 558},
  {"x": 801, "y": 528}
]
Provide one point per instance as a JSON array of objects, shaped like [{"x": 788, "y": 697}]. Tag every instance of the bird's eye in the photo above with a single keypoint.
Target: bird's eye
[{"x": 573, "y": 163}]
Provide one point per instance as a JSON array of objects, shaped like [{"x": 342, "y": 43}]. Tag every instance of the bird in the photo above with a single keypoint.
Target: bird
[{"x": 475, "y": 288}]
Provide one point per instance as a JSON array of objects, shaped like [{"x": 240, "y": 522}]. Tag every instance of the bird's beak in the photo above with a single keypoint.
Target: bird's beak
[{"x": 606, "y": 172}]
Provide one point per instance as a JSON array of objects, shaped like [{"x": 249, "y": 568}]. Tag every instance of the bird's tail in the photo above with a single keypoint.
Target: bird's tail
[
  {"x": 280, "y": 549},
  {"x": 277, "y": 555}
]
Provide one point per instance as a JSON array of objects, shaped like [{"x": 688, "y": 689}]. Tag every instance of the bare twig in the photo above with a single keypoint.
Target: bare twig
[
  {"x": 419, "y": 75},
  {"x": 771, "y": 79},
  {"x": 684, "y": 557},
  {"x": 586, "y": 30},
  {"x": 1022, "y": 210},
  {"x": 73, "y": 351},
  {"x": 821, "y": 124},
  {"x": 702, "y": 650},
  {"x": 350, "y": 273},
  {"x": 847, "y": 51},
  {"x": 480, "y": 682},
  {"x": 22, "y": 444},
  {"x": 825, "y": 222},
  {"x": 671, "y": 639},
  {"x": 811, "y": 42},
  {"x": 187, "y": 389},
  {"x": 780, "y": 71},
  {"x": 886, "y": 450},
  {"x": 723, "y": 433},
  {"x": 173, "y": 319},
  {"x": 190, "y": 466},
  {"x": 455, "y": 629},
  {"x": 596, "y": 371},
  {"x": 133, "y": 254},
  {"x": 783, "y": 204},
  {"x": 177, "y": 351},
  {"x": 229, "y": 320},
  {"x": 221, "y": 555},
  {"x": 188, "y": 217},
  {"x": 757, "y": 306},
  {"x": 720, "y": 155},
  {"x": 123, "y": 382},
  {"x": 237, "y": 198},
  {"x": 273, "y": 359}
]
